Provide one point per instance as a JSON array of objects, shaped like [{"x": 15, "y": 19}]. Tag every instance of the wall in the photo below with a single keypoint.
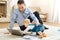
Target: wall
[{"x": 45, "y": 6}]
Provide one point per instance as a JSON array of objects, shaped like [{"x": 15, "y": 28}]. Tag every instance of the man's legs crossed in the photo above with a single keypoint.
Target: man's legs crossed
[{"x": 38, "y": 17}]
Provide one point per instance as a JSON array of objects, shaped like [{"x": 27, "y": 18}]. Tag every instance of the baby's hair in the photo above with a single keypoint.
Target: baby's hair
[{"x": 27, "y": 20}]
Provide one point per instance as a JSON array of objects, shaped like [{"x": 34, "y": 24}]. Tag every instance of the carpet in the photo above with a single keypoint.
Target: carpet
[{"x": 53, "y": 33}]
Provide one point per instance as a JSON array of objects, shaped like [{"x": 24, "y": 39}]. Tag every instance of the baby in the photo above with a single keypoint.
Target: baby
[{"x": 38, "y": 29}]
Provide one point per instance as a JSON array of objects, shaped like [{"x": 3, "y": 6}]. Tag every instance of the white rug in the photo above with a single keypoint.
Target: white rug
[{"x": 52, "y": 34}]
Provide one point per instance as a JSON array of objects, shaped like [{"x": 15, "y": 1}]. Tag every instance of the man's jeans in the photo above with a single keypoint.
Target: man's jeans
[{"x": 36, "y": 13}]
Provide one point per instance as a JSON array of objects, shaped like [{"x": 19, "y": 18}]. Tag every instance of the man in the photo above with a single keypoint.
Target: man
[{"x": 21, "y": 13}]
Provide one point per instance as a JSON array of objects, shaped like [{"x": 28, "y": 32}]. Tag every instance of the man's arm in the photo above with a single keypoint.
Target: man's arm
[
  {"x": 33, "y": 17},
  {"x": 13, "y": 19}
]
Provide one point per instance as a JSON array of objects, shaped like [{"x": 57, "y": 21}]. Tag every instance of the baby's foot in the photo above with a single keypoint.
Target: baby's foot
[{"x": 44, "y": 35}]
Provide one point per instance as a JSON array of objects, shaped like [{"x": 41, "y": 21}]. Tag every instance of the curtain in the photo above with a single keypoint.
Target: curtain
[{"x": 56, "y": 11}]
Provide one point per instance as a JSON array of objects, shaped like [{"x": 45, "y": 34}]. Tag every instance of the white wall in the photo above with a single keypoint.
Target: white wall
[{"x": 45, "y": 6}]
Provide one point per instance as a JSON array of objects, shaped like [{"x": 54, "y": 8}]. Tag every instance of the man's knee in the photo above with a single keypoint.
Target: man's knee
[{"x": 36, "y": 13}]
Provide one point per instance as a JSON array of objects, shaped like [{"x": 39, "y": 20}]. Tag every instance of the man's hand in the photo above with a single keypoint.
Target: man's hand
[{"x": 37, "y": 23}]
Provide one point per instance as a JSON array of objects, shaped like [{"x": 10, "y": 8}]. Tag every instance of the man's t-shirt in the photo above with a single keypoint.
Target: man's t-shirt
[{"x": 20, "y": 17}]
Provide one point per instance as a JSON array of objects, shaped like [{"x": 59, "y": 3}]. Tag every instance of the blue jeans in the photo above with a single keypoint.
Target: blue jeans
[{"x": 38, "y": 28}]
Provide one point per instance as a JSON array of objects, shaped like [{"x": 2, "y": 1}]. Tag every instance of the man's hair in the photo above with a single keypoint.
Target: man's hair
[{"x": 20, "y": 2}]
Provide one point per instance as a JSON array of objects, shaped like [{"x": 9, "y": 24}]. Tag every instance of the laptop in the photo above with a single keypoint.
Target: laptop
[{"x": 16, "y": 32}]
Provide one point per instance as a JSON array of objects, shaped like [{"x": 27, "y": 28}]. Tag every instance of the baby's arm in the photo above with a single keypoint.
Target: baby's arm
[
  {"x": 26, "y": 23},
  {"x": 26, "y": 31}
]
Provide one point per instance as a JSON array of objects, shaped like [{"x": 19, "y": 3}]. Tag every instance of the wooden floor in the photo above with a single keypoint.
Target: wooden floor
[
  {"x": 6, "y": 25},
  {"x": 52, "y": 24}
]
